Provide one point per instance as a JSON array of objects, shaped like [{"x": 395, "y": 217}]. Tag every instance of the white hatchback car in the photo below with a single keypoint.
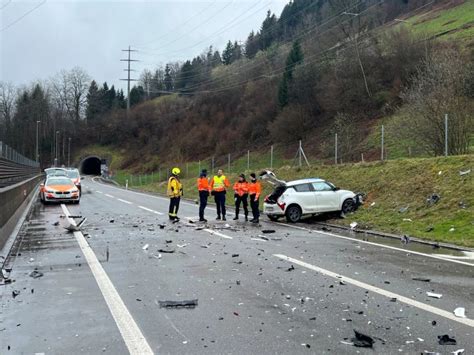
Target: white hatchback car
[{"x": 299, "y": 198}]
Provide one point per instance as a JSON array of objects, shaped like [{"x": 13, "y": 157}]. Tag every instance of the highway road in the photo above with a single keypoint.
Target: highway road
[{"x": 295, "y": 291}]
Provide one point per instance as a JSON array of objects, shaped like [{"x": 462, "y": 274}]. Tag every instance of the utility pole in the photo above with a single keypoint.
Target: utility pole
[
  {"x": 128, "y": 70},
  {"x": 69, "y": 152}
]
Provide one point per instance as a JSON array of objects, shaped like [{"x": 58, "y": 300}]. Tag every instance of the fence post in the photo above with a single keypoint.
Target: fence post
[
  {"x": 159, "y": 174},
  {"x": 382, "y": 143},
  {"x": 362, "y": 157},
  {"x": 126, "y": 184},
  {"x": 335, "y": 149},
  {"x": 199, "y": 168},
  {"x": 248, "y": 160},
  {"x": 446, "y": 135},
  {"x": 271, "y": 157},
  {"x": 228, "y": 163}
]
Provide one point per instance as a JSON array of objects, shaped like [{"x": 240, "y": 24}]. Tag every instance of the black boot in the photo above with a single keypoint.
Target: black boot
[
  {"x": 236, "y": 217},
  {"x": 224, "y": 219},
  {"x": 218, "y": 218},
  {"x": 246, "y": 218}
]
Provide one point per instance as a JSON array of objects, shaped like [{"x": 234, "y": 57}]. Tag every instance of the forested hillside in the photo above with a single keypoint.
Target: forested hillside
[{"x": 318, "y": 68}]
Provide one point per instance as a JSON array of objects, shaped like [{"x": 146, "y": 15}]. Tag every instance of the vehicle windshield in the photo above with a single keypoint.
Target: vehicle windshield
[
  {"x": 73, "y": 174},
  {"x": 59, "y": 182},
  {"x": 55, "y": 171}
]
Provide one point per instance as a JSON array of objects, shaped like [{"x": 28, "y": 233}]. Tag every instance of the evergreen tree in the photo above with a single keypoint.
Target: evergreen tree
[
  {"x": 227, "y": 53},
  {"x": 294, "y": 58},
  {"x": 168, "y": 81},
  {"x": 283, "y": 91},
  {"x": 268, "y": 31},
  {"x": 216, "y": 59},
  {"x": 137, "y": 95},
  {"x": 236, "y": 52},
  {"x": 94, "y": 102},
  {"x": 251, "y": 45}
]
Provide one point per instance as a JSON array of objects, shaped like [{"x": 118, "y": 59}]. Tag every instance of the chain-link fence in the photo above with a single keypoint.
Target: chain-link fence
[{"x": 8, "y": 153}]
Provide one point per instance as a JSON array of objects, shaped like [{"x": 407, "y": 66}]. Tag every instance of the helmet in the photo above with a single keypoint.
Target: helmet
[{"x": 175, "y": 171}]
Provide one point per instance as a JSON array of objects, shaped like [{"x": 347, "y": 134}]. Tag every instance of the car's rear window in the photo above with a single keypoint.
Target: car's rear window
[
  {"x": 59, "y": 182},
  {"x": 302, "y": 188},
  {"x": 73, "y": 174}
]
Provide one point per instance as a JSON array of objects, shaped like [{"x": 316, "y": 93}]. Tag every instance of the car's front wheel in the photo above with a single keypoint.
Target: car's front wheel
[
  {"x": 293, "y": 213},
  {"x": 348, "y": 206}
]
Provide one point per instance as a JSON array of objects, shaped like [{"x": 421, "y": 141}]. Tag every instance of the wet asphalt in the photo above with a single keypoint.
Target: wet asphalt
[{"x": 249, "y": 300}]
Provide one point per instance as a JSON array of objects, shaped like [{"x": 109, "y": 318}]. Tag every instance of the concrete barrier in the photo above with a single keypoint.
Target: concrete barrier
[{"x": 13, "y": 201}]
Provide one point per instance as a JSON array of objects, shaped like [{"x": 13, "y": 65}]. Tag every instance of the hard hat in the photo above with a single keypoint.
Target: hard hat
[{"x": 175, "y": 171}]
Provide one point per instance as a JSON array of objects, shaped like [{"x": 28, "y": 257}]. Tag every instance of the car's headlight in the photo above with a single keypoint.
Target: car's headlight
[{"x": 50, "y": 191}]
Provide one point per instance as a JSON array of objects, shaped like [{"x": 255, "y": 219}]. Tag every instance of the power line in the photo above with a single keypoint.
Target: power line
[
  {"x": 179, "y": 26},
  {"x": 22, "y": 16},
  {"x": 128, "y": 70},
  {"x": 4, "y": 6}
]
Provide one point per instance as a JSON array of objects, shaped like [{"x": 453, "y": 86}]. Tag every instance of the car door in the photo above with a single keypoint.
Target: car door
[
  {"x": 326, "y": 197},
  {"x": 305, "y": 197}
]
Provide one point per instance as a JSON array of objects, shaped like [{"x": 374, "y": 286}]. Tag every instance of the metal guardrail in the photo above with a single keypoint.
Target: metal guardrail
[
  {"x": 8, "y": 153},
  {"x": 14, "y": 167}
]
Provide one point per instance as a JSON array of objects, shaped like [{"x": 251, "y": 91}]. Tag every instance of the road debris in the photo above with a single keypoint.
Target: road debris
[
  {"x": 268, "y": 231},
  {"x": 403, "y": 209},
  {"x": 162, "y": 226},
  {"x": 405, "y": 239},
  {"x": 291, "y": 268},
  {"x": 178, "y": 304},
  {"x": 353, "y": 225},
  {"x": 433, "y": 199},
  {"x": 434, "y": 295},
  {"x": 15, "y": 293},
  {"x": 36, "y": 274},
  {"x": 422, "y": 279},
  {"x": 112, "y": 221},
  {"x": 460, "y": 312},
  {"x": 446, "y": 340},
  {"x": 182, "y": 245},
  {"x": 465, "y": 172},
  {"x": 235, "y": 255},
  {"x": 145, "y": 247},
  {"x": 362, "y": 341},
  {"x": 168, "y": 251}
]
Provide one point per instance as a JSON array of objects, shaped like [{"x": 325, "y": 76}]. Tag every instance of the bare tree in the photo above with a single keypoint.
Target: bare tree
[
  {"x": 439, "y": 88},
  {"x": 146, "y": 81},
  {"x": 7, "y": 106}
]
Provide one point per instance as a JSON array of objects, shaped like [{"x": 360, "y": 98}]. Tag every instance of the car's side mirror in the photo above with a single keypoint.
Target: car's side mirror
[
  {"x": 41, "y": 185},
  {"x": 336, "y": 188}
]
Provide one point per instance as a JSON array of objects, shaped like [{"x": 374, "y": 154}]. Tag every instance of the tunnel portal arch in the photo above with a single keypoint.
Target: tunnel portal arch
[{"x": 90, "y": 165}]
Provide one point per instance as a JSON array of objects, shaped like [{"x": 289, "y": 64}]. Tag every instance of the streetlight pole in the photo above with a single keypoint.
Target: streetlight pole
[
  {"x": 37, "y": 140},
  {"x": 56, "y": 161},
  {"x": 69, "y": 152}
]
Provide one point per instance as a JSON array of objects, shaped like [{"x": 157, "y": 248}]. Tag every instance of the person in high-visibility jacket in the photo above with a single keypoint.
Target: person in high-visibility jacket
[
  {"x": 175, "y": 191},
  {"x": 241, "y": 193},
  {"x": 219, "y": 184},
  {"x": 255, "y": 189},
  {"x": 203, "y": 188}
]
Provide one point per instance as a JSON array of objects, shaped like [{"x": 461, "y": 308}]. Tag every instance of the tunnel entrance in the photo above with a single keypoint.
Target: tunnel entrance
[{"x": 90, "y": 166}]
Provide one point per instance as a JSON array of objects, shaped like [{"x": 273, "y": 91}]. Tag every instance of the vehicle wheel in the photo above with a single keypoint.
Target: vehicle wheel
[
  {"x": 273, "y": 218},
  {"x": 348, "y": 206},
  {"x": 293, "y": 214}
]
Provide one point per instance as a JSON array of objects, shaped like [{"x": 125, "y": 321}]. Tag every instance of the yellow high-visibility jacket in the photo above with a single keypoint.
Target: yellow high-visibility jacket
[{"x": 175, "y": 188}]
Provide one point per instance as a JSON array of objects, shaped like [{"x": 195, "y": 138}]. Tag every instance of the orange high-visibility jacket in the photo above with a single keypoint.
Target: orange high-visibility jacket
[
  {"x": 241, "y": 188},
  {"x": 203, "y": 184},
  {"x": 219, "y": 184},
  {"x": 255, "y": 189}
]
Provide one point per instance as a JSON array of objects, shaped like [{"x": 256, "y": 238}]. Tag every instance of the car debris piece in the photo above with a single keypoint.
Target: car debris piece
[
  {"x": 458, "y": 352},
  {"x": 162, "y": 226},
  {"x": 15, "y": 293},
  {"x": 235, "y": 255},
  {"x": 405, "y": 239},
  {"x": 178, "y": 304},
  {"x": 168, "y": 241},
  {"x": 36, "y": 274},
  {"x": 434, "y": 295},
  {"x": 403, "y": 209},
  {"x": 291, "y": 268},
  {"x": 446, "y": 340},
  {"x": 465, "y": 172},
  {"x": 145, "y": 247},
  {"x": 433, "y": 199},
  {"x": 56, "y": 223},
  {"x": 169, "y": 251},
  {"x": 112, "y": 221},
  {"x": 460, "y": 312},
  {"x": 429, "y": 229},
  {"x": 268, "y": 231},
  {"x": 422, "y": 279},
  {"x": 362, "y": 341},
  {"x": 353, "y": 225},
  {"x": 182, "y": 245}
]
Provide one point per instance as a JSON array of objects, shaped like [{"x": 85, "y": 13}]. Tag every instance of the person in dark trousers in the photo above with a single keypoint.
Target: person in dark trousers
[
  {"x": 255, "y": 189},
  {"x": 175, "y": 191},
  {"x": 203, "y": 188},
  {"x": 241, "y": 193},
  {"x": 219, "y": 184}
]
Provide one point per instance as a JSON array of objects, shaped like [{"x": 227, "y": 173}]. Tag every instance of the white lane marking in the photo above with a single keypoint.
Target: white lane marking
[
  {"x": 150, "y": 210},
  {"x": 320, "y": 232},
  {"x": 211, "y": 231},
  {"x": 109, "y": 195},
  {"x": 131, "y": 334},
  {"x": 100, "y": 192},
  {"x": 406, "y": 300},
  {"x": 376, "y": 244},
  {"x": 124, "y": 201},
  {"x": 217, "y": 233}
]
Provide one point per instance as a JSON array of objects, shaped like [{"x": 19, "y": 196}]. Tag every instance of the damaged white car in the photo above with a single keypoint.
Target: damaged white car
[{"x": 306, "y": 197}]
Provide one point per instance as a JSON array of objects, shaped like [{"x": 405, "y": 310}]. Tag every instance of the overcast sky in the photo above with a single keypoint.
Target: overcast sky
[{"x": 91, "y": 34}]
